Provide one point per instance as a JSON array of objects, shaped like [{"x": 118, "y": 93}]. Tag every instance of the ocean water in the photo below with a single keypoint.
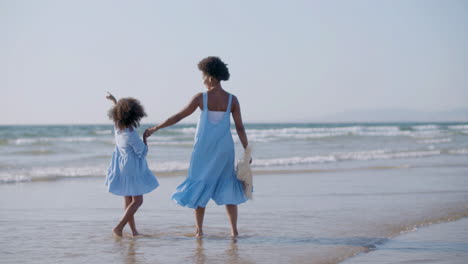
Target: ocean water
[
  {"x": 35, "y": 153},
  {"x": 322, "y": 193}
]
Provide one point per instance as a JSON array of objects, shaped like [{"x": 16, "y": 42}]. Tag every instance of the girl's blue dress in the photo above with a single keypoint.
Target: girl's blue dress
[
  {"x": 211, "y": 174},
  {"x": 128, "y": 173}
]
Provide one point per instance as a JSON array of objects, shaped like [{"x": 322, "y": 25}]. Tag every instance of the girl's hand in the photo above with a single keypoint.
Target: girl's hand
[
  {"x": 148, "y": 133},
  {"x": 111, "y": 97}
]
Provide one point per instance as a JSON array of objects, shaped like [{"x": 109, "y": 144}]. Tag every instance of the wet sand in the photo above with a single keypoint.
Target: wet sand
[
  {"x": 294, "y": 218},
  {"x": 445, "y": 243}
]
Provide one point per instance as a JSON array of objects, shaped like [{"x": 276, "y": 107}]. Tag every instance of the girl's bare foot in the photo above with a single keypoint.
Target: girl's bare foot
[
  {"x": 135, "y": 234},
  {"x": 117, "y": 232},
  {"x": 199, "y": 234}
]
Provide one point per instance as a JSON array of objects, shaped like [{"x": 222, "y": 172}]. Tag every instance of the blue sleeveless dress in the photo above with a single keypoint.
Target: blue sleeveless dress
[
  {"x": 211, "y": 174},
  {"x": 128, "y": 173}
]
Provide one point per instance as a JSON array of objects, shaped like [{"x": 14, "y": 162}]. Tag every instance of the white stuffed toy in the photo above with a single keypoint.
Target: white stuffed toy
[{"x": 244, "y": 172}]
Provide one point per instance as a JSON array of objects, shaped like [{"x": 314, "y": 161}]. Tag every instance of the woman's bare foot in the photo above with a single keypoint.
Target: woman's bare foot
[
  {"x": 117, "y": 232},
  {"x": 199, "y": 234},
  {"x": 135, "y": 234},
  {"x": 234, "y": 234}
]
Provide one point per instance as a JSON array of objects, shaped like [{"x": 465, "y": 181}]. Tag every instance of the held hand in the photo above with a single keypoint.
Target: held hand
[
  {"x": 148, "y": 132},
  {"x": 145, "y": 137}
]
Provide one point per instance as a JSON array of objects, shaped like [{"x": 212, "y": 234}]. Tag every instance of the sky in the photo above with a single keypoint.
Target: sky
[{"x": 290, "y": 61}]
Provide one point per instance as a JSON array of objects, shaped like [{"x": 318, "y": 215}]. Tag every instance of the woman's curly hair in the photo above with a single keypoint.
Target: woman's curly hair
[
  {"x": 214, "y": 67},
  {"x": 127, "y": 113}
]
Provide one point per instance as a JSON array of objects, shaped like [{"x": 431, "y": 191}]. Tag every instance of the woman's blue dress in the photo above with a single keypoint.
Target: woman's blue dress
[
  {"x": 211, "y": 174},
  {"x": 128, "y": 173}
]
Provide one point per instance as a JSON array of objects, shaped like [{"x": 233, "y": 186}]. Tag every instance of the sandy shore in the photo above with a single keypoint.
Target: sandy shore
[
  {"x": 295, "y": 218},
  {"x": 445, "y": 243}
]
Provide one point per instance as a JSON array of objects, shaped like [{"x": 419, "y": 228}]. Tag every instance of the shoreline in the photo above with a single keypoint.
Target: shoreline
[
  {"x": 182, "y": 173},
  {"x": 436, "y": 242},
  {"x": 323, "y": 218}
]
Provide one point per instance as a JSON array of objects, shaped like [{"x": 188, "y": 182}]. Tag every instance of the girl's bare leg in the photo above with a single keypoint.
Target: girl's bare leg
[
  {"x": 131, "y": 221},
  {"x": 231, "y": 210},
  {"x": 129, "y": 212},
  {"x": 199, "y": 215}
]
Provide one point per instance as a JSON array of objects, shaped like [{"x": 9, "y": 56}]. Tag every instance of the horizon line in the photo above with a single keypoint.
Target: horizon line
[{"x": 251, "y": 123}]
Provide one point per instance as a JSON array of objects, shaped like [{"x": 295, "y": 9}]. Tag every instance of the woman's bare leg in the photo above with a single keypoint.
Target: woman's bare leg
[
  {"x": 131, "y": 221},
  {"x": 199, "y": 215},
  {"x": 231, "y": 210},
  {"x": 129, "y": 212}
]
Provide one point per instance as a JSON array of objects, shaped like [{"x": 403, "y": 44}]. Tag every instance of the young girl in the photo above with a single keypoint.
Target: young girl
[{"x": 128, "y": 174}]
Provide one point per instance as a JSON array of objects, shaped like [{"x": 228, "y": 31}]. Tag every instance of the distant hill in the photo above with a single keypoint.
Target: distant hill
[{"x": 397, "y": 115}]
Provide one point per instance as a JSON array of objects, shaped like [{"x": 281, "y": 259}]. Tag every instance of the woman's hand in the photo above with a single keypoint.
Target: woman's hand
[{"x": 111, "y": 97}]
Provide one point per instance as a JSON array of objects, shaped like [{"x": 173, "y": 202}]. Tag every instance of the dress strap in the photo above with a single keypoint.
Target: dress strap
[
  {"x": 205, "y": 101},
  {"x": 229, "y": 104}
]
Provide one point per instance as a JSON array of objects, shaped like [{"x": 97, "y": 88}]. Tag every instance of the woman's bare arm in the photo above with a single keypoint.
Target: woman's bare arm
[
  {"x": 188, "y": 110},
  {"x": 236, "y": 114}
]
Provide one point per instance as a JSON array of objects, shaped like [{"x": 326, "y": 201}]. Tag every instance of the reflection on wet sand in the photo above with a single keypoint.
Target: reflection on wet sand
[
  {"x": 131, "y": 253},
  {"x": 199, "y": 255},
  {"x": 215, "y": 249},
  {"x": 231, "y": 253},
  {"x": 128, "y": 250}
]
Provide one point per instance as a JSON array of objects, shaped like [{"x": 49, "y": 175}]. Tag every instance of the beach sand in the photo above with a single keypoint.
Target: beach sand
[
  {"x": 294, "y": 218},
  {"x": 445, "y": 243}
]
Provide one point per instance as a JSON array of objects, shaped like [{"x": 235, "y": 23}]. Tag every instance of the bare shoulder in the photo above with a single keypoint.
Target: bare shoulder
[
  {"x": 197, "y": 96},
  {"x": 197, "y": 100},
  {"x": 235, "y": 103},
  {"x": 235, "y": 100}
]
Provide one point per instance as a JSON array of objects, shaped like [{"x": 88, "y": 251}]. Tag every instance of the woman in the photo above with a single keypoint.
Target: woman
[{"x": 211, "y": 173}]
